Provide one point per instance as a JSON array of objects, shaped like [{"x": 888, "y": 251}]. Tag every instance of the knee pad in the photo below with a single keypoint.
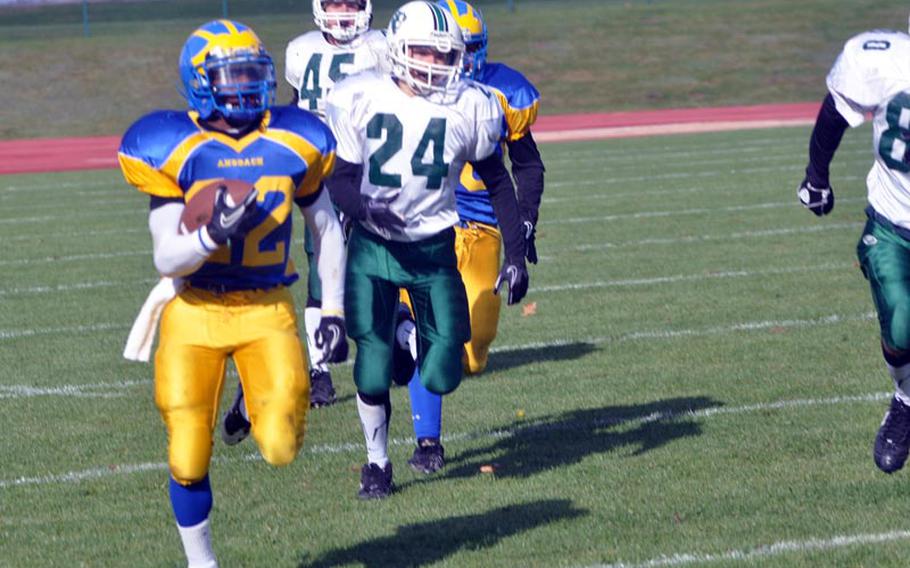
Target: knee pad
[{"x": 279, "y": 436}]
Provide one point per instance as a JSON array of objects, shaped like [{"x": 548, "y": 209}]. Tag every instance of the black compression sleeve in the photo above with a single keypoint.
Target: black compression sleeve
[
  {"x": 304, "y": 202},
  {"x": 527, "y": 167},
  {"x": 502, "y": 193},
  {"x": 826, "y": 136},
  {"x": 344, "y": 188},
  {"x": 157, "y": 202}
]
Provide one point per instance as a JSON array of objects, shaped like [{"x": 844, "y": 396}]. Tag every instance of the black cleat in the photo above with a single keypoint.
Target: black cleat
[
  {"x": 429, "y": 456},
  {"x": 893, "y": 440},
  {"x": 403, "y": 363},
  {"x": 322, "y": 392},
  {"x": 375, "y": 481},
  {"x": 234, "y": 427}
]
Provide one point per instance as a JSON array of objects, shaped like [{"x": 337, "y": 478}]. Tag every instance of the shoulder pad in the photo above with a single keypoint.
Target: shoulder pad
[
  {"x": 518, "y": 90},
  {"x": 153, "y": 137}
]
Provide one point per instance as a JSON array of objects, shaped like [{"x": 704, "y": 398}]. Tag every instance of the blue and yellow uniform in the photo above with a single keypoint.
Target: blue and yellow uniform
[
  {"x": 236, "y": 304},
  {"x": 478, "y": 240}
]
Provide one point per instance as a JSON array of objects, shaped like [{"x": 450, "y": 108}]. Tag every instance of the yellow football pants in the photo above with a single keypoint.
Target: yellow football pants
[
  {"x": 477, "y": 247},
  {"x": 199, "y": 331}
]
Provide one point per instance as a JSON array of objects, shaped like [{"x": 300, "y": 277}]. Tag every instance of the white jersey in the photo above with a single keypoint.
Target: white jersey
[
  {"x": 313, "y": 65},
  {"x": 872, "y": 76},
  {"x": 411, "y": 146}
]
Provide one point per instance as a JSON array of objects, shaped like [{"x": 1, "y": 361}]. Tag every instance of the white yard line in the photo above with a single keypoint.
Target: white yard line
[
  {"x": 80, "y": 235},
  {"x": 97, "y": 390},
  {"x": 72, "y": 287},
  {"x": 65, "y": 330},
  {"x": 539, "y": 426},
  {"x": 688, "y": 239},
  {"x": 694, "y": 211},
  {"x": 662, "y": 334},
  {"x": 764, "y": 551},
  {"x": 688, "y": 278}
]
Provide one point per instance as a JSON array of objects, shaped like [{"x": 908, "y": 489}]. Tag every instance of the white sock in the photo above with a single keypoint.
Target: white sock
[
  {"x": 197, "y": 544},
  {"x": 412, "y": 343},
  {"x": 406, "y": 336},
  {"x": 311, "y": 317},
  {"x": 375, "y": 424},
  {"x": 901, "y": 376}
]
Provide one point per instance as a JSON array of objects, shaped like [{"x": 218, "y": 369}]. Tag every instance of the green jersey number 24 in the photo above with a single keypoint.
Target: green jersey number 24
[{"x": 390, "y": 127}]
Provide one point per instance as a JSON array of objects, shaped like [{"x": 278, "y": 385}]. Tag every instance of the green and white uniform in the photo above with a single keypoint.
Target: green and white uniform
[
  {"x": 414, "y": 148},
  {"x": 872, "y": 77}
]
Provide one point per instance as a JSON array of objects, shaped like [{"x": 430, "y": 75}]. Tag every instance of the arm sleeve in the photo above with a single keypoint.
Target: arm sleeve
[
  {"x": 344, "y": 186},
  {"x": 176, "y": 254},
  {"x": 528, "y": 169},
  {"x": 826, "y": 136},
  {"x": 330, "y": 252},
  {"x": 502, "y": 193}
]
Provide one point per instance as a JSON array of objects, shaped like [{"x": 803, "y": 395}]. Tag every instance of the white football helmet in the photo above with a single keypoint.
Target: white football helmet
[
  {"x": 343, "y": 26},
  {"x": 425, "y": 24}
]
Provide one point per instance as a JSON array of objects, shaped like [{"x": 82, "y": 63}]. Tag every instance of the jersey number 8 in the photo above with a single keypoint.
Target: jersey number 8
[{"x": 893, "y": 146}]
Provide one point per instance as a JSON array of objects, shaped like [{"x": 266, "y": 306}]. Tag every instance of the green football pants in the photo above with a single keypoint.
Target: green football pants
[
  {"x": 427, "y": 269},
  {"x": 884, "y": 255}
]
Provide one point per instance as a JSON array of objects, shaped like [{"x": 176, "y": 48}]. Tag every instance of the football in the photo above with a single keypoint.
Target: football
[{"x": 198, "y": 210}]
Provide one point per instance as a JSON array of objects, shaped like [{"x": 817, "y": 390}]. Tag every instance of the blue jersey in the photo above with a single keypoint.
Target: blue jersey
[
  {"x": 168, "y": 154},
  {"x": 520, "y": 101}
]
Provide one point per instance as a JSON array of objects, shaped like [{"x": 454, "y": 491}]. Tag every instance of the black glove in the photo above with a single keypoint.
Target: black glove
[
  {"x": 332, "y": 338},
  {"x": 230, "y": 220},
  {"x": 516, "y": 275},
  {"x": 379, "y": 213},
  {"x": 531, "y": 248},
  {"x": 819, "y": 200}
]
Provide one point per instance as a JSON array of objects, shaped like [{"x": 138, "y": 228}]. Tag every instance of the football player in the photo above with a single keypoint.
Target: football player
[
  {"x": 871, "y": 77},
  {"x": 343, "y": 45},
  {"x": 403, "y": 140},
  {"x": 477, "y": 236},
  {"x": 236, "y": 270}
]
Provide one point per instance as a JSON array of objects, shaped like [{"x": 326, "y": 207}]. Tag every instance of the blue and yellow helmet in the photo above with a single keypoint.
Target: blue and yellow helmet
[
  {"x": 474, "y": 30},
  {"x": 225, "y": 69}
]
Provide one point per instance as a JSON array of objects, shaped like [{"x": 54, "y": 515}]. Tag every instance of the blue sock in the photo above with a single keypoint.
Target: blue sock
[
  {"x": 191, "y": 503},
  {"x": 426, "y": 409}
]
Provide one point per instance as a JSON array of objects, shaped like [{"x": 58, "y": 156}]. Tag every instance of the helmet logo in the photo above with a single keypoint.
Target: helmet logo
[{"x": 397, "y": 20}]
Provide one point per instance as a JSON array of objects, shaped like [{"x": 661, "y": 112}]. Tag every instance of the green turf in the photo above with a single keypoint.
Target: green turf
[
  {"x": 681, "y": 293},
  {"x": 601, "y": 55}
]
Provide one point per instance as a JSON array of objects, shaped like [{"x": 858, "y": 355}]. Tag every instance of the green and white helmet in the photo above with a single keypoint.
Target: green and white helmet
[{"x": 425, "y": 24}]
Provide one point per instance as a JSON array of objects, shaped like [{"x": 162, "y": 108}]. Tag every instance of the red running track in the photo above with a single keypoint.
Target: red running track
[{"x": 100, "y": 152}]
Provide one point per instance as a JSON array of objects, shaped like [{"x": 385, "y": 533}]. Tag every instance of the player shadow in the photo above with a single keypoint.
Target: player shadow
[
  {"x": 561, "y": 440},
  {"x": 504, "y": 360},
  {"x": 421, "y": 544}
]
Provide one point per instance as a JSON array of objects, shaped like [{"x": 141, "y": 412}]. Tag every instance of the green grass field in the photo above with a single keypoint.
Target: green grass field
[
  {"x": 584, "y": 55},
  {"x": 701, "y": 377}
]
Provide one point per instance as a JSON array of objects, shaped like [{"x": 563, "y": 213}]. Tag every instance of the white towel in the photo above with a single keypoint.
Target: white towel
[{"x": 142, "y": 335}]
